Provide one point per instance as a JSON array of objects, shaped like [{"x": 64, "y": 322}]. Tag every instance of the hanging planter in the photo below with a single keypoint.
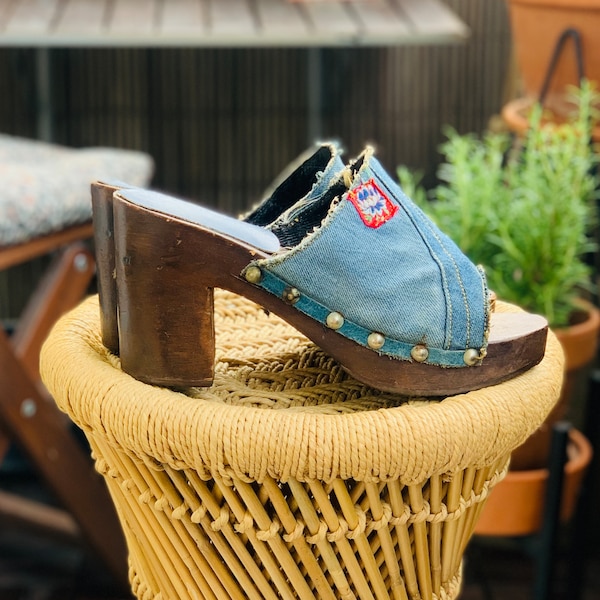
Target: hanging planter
[
  {"x": 556, "y": 44},
  {"x": 537, "y": 26}
]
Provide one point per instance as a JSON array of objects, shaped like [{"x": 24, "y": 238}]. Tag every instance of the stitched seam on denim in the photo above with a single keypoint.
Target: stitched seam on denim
[
  {"x": 461, "y": 285},
  {"x": 357, "y": 333},
  {"x": 486, "y": 295},
  {"x": 449, "y": 308},
  {"x": 280, "y": 258},
  {"x": 445, "y": 250}
]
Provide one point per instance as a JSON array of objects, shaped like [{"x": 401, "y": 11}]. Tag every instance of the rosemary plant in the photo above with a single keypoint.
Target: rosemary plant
[{"x": 525, "y": 212}]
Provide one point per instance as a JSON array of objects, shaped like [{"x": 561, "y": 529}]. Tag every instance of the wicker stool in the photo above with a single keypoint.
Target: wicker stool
[{"x": 286, "y": 478}]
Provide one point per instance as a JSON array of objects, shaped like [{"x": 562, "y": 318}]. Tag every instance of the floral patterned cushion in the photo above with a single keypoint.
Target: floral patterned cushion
[{"x": 46, "y": 187}]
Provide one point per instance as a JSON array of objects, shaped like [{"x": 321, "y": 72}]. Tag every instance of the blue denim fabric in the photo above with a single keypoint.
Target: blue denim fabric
[{"x": 403, "y": 278}]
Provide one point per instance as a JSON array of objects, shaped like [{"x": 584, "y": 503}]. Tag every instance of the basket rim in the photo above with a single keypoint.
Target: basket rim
[{"x": 409, "y": 442}]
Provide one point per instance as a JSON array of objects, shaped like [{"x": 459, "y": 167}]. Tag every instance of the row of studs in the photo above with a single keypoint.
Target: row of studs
[{"x": 375, "y": 340}]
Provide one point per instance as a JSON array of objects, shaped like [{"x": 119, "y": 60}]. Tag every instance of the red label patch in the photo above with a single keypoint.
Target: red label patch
[{"x": 373, "y": 206}]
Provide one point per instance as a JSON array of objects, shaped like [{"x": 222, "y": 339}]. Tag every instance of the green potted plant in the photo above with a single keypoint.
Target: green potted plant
[{"x": 525, "y": 211}]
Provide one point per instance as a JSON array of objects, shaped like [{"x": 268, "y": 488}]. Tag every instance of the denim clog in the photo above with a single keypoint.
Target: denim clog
[
  {"x": 359, "y": 269},
  {"x": 407, "y": 288}
]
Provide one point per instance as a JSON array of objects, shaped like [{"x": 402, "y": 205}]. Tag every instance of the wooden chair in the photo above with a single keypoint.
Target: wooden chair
[{"x": 29, "y": 417}]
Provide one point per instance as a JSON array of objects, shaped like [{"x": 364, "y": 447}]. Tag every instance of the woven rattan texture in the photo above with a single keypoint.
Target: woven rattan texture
[{"x": 286, "y": 478}]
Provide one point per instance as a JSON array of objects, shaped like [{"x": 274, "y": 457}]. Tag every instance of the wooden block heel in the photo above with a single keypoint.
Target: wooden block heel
[
  {"x": 165, "y": 314},
  {"x": 102, "y": 212}
]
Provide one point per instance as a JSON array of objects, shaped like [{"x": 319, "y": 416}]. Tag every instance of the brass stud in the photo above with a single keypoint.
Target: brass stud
[
  {"x": 472, "y": 357},
  {"x": 419, "y": 353},
  {"x": 291, "y": 295},
  {"x": 375, "y": 340},
  {"x": 334, "y": 320},
  {"x": 253, "y": 274}
]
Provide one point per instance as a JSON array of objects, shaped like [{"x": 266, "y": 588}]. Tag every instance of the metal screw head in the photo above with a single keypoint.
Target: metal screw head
[
  {"x": 472, "y": 357},
  {"x": 28, "y": 408},
  {"x": 81, "y": 262},
  {"x": 419, "y": 353},
  {"x": 253, "y": 274},
  {"x": 291, "y": 295},
  {"x": 334, "y": 320},
  {"x": 375, "y": 340}
]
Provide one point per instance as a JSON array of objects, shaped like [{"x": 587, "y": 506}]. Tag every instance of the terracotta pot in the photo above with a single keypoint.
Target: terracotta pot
[
  {"x": 515, "y": 505},
  {"x": 580, "y": 339},
  {"x": 536, "y": 27},
  {"x": 516, "y": 115},
  {"x": 580, "y": 344}
]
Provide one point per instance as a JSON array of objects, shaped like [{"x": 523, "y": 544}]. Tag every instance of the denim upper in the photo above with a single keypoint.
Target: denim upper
[
  {"x": 386, "y": 268},
  {"x": 303, "y": 181}
]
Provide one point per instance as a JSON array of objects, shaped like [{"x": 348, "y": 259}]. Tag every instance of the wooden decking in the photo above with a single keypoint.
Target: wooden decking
[{"x": 215, "y": 23}]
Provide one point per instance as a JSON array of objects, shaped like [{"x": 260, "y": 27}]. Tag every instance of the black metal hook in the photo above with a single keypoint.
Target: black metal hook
[{"x": 558, "y": 49}]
